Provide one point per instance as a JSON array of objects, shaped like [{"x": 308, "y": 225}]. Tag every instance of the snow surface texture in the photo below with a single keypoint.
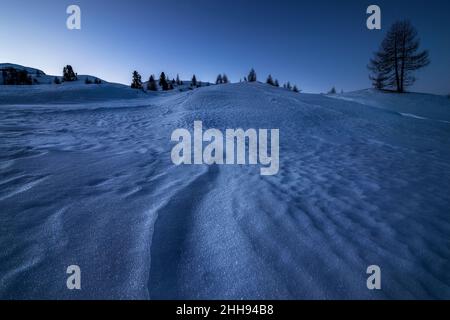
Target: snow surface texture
[{"x": 90, "y": 182}]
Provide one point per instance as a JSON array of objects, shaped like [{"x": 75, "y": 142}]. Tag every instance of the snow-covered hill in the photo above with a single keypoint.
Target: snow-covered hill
[
  {"x": 92, "y": 184},
  {"x": 39, "y": 77},
  {"x": 418, "y": 105},
  {"x": 66, "y": 93},
  {"x": 45, "y": 91}
]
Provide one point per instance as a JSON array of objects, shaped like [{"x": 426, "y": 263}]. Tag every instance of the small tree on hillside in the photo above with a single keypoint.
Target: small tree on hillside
[
  {"x": 332, "y": 91},
  {"x": 68, "y": 74},
  {"x": 163, "y": 82},
  {"x": 252, "y": 76},
  {"x": 137, "y": 81},
  {"x": 151, "y": 85},
  {"x": 295, "y": 89},
  {"x": 194, "y": 81},
  {"x": 219, "y": 79},
  {"x": 225, "y": 79},
  {"x": 57, "y": 80},
  {"x": 269, "y": 80},
  {"x": 276, "y": 83}
]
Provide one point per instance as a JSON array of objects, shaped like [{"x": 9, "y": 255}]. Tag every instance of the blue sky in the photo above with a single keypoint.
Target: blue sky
[{"x": 315, "y": 44}]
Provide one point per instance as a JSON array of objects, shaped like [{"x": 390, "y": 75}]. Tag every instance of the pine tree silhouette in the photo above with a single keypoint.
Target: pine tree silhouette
[
  {"x": 163, "y": 82},
  {"x": 225, "y": 79},
  {"x": 252, "y": 76},
  {"x": 137, "y": 81},
  {"x": 151, "y": 85},
  {"x": 68, "y": 74},
  {"x": 194, "y": 81},
  {"x": 332, "y": 91}
]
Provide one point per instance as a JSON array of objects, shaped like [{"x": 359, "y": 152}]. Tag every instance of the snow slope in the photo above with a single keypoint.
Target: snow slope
[
  {"x": 92, "y": 184},
  {"x": 418, "y": 105},
  {"x": 66, "y": 93},
  {"x": 45, "y": 91},
  {"x": 40, "y": 78}
]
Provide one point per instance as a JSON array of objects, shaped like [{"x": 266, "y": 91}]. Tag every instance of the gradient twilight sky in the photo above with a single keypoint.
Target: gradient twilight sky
[{"x": 314, "y": 44}]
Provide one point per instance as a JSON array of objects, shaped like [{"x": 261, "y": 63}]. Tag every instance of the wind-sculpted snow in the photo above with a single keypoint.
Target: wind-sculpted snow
[{"x": 92, "y": 184}]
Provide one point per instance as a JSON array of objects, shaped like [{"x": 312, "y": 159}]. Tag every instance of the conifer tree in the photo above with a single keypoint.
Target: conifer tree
[
  {"x": 151, "y": 85},
  {"x": 163, "y": 82},
  {"x": 225, "y": 79},
  {"x": 194, "y": 81},
  {"x": 68, "y": 74},
  {"x": 137, "y": 81},
  {"x": 394, "y": 64},
  {"x": 252, "y": 76}
]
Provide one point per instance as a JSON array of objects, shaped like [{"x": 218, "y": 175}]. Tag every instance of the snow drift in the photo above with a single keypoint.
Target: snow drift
[{"x": 92, "y": 184}]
